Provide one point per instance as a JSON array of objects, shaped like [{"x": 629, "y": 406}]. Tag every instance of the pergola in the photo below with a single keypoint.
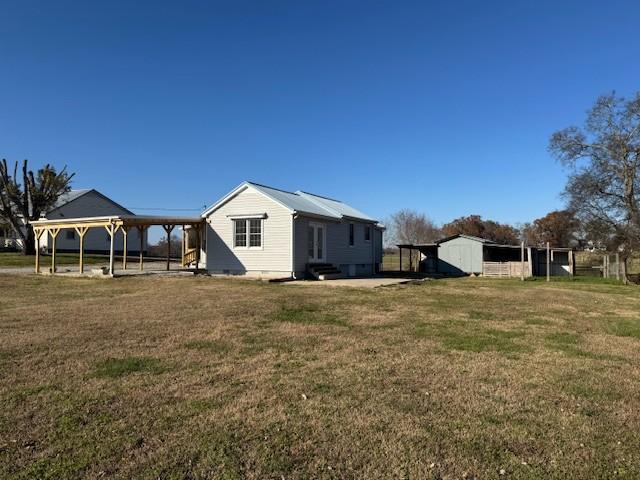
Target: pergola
[{"x": 123, "y": 223}]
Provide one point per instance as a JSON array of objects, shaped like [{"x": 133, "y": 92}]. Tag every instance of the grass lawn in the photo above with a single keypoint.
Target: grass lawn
[
  {"x": 10, "y": 259},
  {"x": 221, "y": 378}
]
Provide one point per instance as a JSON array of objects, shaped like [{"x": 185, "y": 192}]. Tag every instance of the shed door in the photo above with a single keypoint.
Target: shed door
[{"x": 462, "y": 257}]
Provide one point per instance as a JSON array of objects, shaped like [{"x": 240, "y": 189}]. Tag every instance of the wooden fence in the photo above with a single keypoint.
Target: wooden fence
[{"x": 504, "y": 269}]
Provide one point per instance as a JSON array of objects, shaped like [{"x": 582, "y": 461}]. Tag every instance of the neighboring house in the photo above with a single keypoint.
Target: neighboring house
[
  {"x": 8, "y": 240},
  {"x": 88, "y": 203},
  {"x": 466, "y": 254},
  {"x": 259, "y": 230}
]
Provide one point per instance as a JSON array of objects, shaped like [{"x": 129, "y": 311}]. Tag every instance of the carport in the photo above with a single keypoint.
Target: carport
[{"x": 192, "y": 231}]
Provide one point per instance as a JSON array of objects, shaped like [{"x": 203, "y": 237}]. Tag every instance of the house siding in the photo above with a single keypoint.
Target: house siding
[
  {"x": 359, "y": 259},
  {"x": 275, "y": 254},
  {"x": 91, "y": 204}
]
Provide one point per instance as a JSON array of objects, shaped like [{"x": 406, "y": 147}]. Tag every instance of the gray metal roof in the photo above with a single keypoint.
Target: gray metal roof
[
  {"x": 301, "y": 202},
  {"x": 335, "y": 206},
  {"x": 68, "y": 197},
  {"x": 293, "y": 201},
  {"x": 470, "y": 237}
]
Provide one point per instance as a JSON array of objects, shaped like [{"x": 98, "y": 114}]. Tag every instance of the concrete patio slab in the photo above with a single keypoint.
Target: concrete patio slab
[{"x": 371, "y": 282}]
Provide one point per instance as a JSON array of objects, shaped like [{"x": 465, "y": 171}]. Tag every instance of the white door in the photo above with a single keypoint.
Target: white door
[{"x": 316, "y": 241}]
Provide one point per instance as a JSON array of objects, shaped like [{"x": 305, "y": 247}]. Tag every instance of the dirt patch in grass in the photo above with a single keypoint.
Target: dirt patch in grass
[
  {"x": 213, "y": 346},
  {"x": 308, "y": 314}
]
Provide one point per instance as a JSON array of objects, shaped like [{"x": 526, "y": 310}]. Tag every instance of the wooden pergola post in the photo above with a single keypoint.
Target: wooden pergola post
[
  {"x": 111, "y": 230},
  {"x": 141, "y": 229},
  {"x": 81, "y": 231},
  {"x": 548, "y": 263},
  {"x": 400, "y": 248},
  {"x": 54, "y": 235},
  {"x": 198, "y": 233},
  {"x": 168, "y": 229},
  {"x": 184, "y": 243},
  {"x": 38, "y": 233},
  {"x": 125, "y": 232}
]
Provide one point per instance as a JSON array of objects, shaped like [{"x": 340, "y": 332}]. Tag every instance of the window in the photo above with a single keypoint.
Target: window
[
  {"x": 351, "y": 235},
  {"x": 255, "y": 233},
  {"x": 70, "y": 234},
  {"x": 367, "y": 233},
  {"x": 247, "y": 233},
  {"x": 240, "y": 233}
]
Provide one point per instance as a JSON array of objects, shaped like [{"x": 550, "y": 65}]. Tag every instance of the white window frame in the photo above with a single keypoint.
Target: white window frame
[
  {"x": 367, "y": 228},
  {"x": 247, "y": 233}
]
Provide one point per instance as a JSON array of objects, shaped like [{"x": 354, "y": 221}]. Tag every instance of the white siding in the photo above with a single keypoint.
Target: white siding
[{"x": 275, "y": 254}]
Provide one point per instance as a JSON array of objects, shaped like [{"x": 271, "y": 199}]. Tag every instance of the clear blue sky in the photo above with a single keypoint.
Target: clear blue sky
[{"x": 442, "y": 107}]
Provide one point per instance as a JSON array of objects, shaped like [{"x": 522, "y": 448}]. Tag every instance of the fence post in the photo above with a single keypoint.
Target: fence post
[
  {"x": 548, "y": 263},
  {"x": 522, "y": 261}
]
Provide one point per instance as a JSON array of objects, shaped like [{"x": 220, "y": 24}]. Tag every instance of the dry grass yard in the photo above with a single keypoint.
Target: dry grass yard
[{"x": 214, "y": 378}]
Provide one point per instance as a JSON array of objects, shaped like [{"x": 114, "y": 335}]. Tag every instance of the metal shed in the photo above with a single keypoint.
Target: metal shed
[{"x": 466, "y": 254}]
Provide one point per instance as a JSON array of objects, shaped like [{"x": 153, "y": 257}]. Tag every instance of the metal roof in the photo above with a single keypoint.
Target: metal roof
[
  {"x": 336, "y": 206},
  {"x": 299, "y": 202},
  {"x": 72, "y": 195},
  {"x": 470, "y": 237},
  {"x": 69, "y": 197}
]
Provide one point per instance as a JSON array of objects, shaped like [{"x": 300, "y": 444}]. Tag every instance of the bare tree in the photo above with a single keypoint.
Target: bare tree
[
  {"x": 20, "y": 204},
  {"x": 604, "y": 162},
  {"x": 160, "y": 248},
  {"x": 408, "y": 226}
]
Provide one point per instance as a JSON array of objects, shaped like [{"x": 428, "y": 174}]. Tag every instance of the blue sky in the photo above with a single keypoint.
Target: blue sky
[{"x": 442, "y": 107}]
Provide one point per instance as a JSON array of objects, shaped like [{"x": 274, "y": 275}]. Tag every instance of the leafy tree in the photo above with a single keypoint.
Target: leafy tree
[
  {"x": 491, "y": 230},
  {"x": 560, "y": 228},
  {"x": 604, "y": 162},
  {"x": 21, "y": 203}
]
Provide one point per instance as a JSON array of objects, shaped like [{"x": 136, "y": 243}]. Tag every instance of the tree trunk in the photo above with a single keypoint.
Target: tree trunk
[{"x": 29, "y": 241}]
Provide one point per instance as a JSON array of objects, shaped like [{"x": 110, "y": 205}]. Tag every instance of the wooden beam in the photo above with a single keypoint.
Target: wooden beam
[
  {"x": 81, "y": 231},
  {"x": 38, "y": 233},
  {"x": 125, "y": 232},
  {"x": 111, "y": 229},
  {"x": 54, "y": 235},
  {"x": 141, "y": 230},
  {"x": 168, "y": 229},
  {"x": 198, "y": 240}
]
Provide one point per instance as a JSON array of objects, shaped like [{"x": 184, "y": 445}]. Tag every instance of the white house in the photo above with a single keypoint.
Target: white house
[
  {"x": 80, "y": 204},
  {"x": 264, "y": 231}
]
